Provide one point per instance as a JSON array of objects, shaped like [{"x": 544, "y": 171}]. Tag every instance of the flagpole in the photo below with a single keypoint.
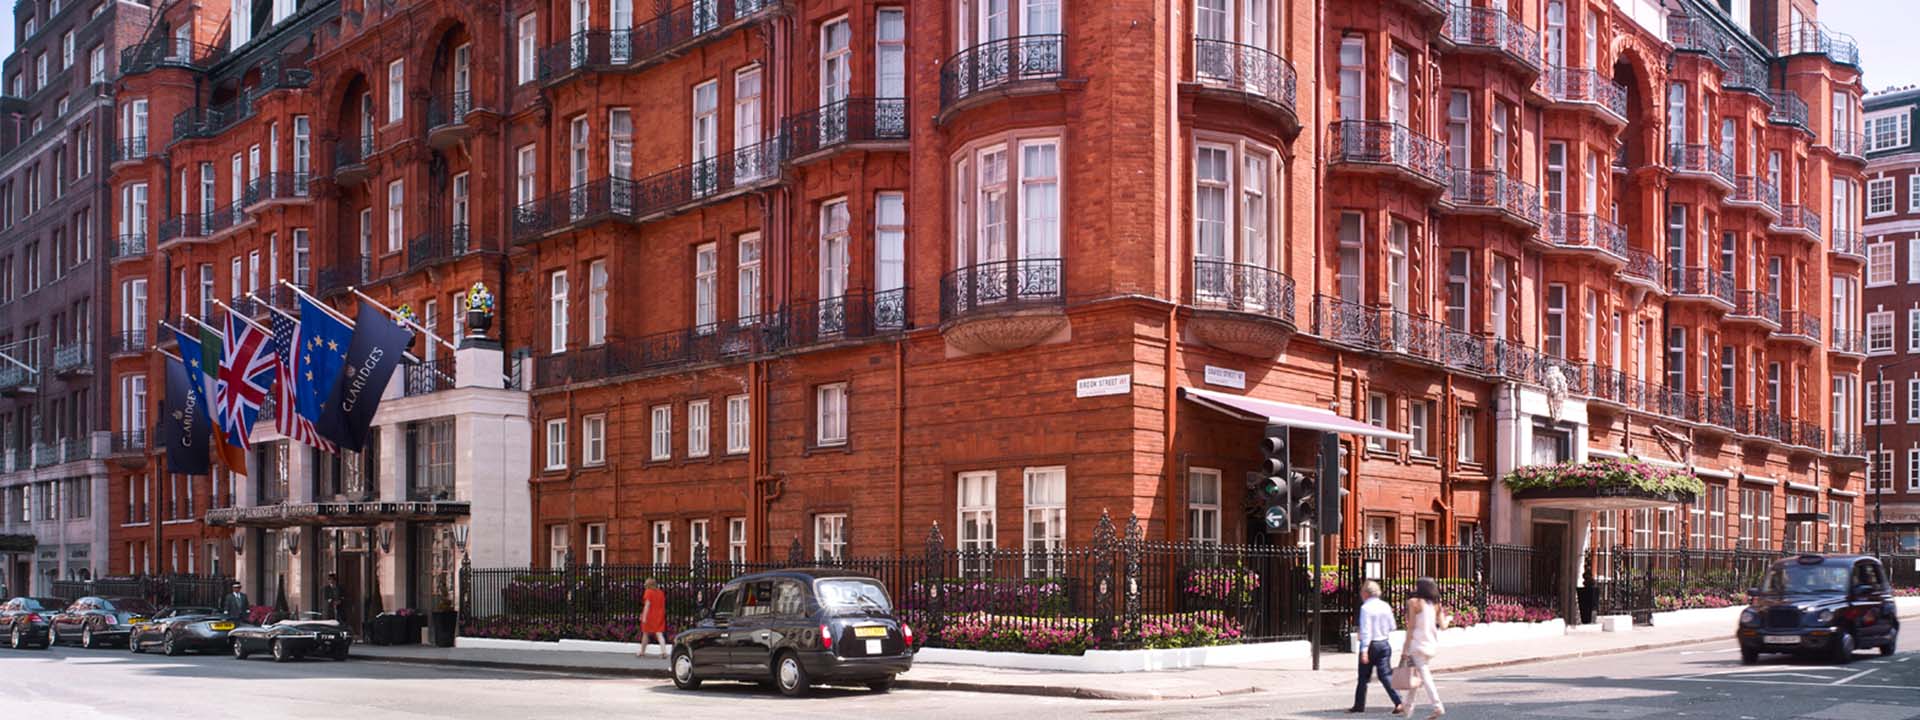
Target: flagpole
[
  {"x": 322, "y": 304},
  {"x": 243, "y": 317},
  {"x": 407, "y": 320},
  {"x": 350, "y": 324},
  {"x": 216, "y": 331},
  {"x": 168, "y": 355}
]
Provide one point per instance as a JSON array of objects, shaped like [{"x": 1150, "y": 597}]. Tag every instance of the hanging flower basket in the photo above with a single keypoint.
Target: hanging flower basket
[{"x": 1607, "y": 477}]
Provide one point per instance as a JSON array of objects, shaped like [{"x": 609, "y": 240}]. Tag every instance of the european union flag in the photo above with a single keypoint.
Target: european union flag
[
  {"x": 324, "y": 340},
  {"x": 196, "y": 375}
]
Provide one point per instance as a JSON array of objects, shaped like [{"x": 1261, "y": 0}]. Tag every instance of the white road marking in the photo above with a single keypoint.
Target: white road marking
[{"x": 1856, "y": 676}]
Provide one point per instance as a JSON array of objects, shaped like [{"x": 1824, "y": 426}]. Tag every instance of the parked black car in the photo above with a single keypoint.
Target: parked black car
[
  {"x": 96, "y": 621},
  {"x": 24, "y": 620},
  {"x": 289, "y": 639},
  {"x": 177, "y": 630},
  {"x": 1820, "y": 604},
  {"x": 796, "y": 628}
]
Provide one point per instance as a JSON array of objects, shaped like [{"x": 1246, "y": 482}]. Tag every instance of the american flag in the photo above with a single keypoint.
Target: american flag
[
  {"x": 287, "y": 346},
  {"x": 246, "y": 376}
]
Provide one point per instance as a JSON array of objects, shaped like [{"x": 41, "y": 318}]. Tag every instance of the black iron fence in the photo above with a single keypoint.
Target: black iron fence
[
  {"x": 1640, "y": 582},
  {"x": 160, "y": 590}
]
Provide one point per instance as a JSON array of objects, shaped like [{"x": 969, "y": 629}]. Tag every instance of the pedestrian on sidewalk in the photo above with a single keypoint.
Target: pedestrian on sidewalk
[
  {"x": 1425, "y": 618},
  {"x": 1376, "y": 654},
  {"x": 653, "y": 619}
]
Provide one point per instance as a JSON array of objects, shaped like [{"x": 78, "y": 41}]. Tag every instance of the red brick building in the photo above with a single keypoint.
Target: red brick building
[
  {"x": 833, "y": 272},
  {"x": 1892, "y": 202}
]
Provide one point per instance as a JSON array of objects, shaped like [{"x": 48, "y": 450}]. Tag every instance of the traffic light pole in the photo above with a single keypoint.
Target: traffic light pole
[{"x": 1313, "y": 584}]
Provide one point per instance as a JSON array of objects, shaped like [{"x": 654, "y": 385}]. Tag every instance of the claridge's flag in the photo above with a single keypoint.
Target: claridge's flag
[
  {"x": 183, "y": 424},
  {"x": 378, "y": 343}
]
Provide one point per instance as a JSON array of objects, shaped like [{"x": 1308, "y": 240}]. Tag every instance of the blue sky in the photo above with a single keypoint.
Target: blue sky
[{"x": 1889, "y": 53}]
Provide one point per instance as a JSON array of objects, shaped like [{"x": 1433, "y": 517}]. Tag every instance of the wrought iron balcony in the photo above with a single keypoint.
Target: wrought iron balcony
[
  {"x": 1769, "y": 425},
  {"x": 1692, "y": 34},
  {"x": 168, "y": 52},
  {"x": 653, "y": 196},
  {"x": 1587, "y": 87},
  {"x": 1756, "y": 305},
  {"x": 1847, "y": 342},
  {"x": 191, "y": 226},
  {"x": 1846, "y": 444},
  {"x": 428, "y": 376},
  {"x": 1848, "y": 244},
  {"x": 848, "y": 123},
  {"x": 1724, "y": 412},
  {"x": 127, "y": 342},
  {"x": 1614, "y": 387},
  {"x": 999, "y": 64},
  {"x": 126, "y": 247},
  {"x": 15, "y": 380},
  {"x": 1745, "y": 72},
  {"x": 1788, "y": 109},
  {"x": 437, "y": 246},
  {"x": 129, "y": 442},
  {"x": 73, "y": 359},
  {"x": 1585, "y": 231},
  {"x": 1798, "y": 219},
  {"x": 1847, "y": 143},
  {"x": 276, "y": 75},
  {"x": 1491, "y": 29},
  {"x": 277, "y": 186},
  {"x": 209, "y": 122},
  {"x": 130, "y": 149},
  {"x": 1240, "y": 288},
  {"x": 853, "y": 316},
  {"x": 1254, "y": 72},
  {"x": 1494, "y": 191},
  {"x": 1702, "y": 160},
  {"x": 729, "y": 341},
  {"x": 225, "y": 217},
  {"x": 350, "y": 158},
  {"x": 1645, "y": 268},
  {"x": 1799, "y": 325},
  {"x": 1701, "y": 282},
  {"x": 1520, "y": 363},
  {"x": 447, "y": 119},
  {"x": 632, "y": 48},
  {"x": 1392, "y": 146},
  {"x": 1754, "y": 191},
  {"x": 1814, "y": 38},
  {"x": 1383, "y": 329},
  {"x": 1809, "y": 435},
  {"x": 1000, "y": 286}
]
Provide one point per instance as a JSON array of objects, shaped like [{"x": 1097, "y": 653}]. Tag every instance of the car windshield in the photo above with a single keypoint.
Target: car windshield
[
  {"x": 44, "y": 603},
  {"x": 1797, "y": 579},
  {"x": 185, "y": 611},
  {"x": 855, "y": 594},
  {"x": 136, "y": 606}
]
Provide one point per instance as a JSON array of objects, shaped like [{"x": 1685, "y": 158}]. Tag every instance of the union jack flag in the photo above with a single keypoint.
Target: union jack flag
[
  {"x": 287, "y": 346},
  {"x": 247, "y": 369}
]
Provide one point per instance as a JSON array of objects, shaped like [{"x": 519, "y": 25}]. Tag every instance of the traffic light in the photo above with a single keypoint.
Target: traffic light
[
  {"x": 1270, "y": 481},
  {"x": 1303, "y": 499},
  {"x": 1333, "y": 492}
]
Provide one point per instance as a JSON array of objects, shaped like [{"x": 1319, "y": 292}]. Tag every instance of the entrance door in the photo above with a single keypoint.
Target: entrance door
[
  {"x": 1549, "y": 557},
  {"x": 352, "y": 568}
]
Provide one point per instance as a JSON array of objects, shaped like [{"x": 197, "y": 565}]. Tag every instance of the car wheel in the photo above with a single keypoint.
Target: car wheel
[
  {"x": 881, "y": 686},
  {"x": 53, "y": 636},
  {"x": 86, "y": 639},
  {"x": 1843, "y": 647},
  {"x": 1749, "y": 657},
  {"x": 280, "y": 653},
  {"x": 169, "y": 647},
  {"x": 239, "y": 650},
  {"x": 15, "y": 640},
  {"x": 339, "y": 654},
  {"x": 790, "y": 676},
  {"x": 683, "y": 676},
  {"x": 133, "y": 644},
  {"x": 1893, "y": 640}
]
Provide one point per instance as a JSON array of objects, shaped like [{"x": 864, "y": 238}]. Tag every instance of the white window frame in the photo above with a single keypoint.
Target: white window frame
[
  {"x": 597, "y": 302},
  {"x": 830, "y": 414},
  {"x": 529, "y": 48},
  {"x": 596, "y": 544},
  {"x": 396, "y": 215},
  {"x": 557, "y": 444},
  {"x": 736, "y": 541},
  {"x": 699, "y": 423},
  {"x": 1880, "y": 332},
  {"x": 699, "y": 546},
  {"x": 739, "y": 424},
  {"x": 593, "y": 440},
  {"x": 1203, "y": 506},
  {"x": 706, "y": 288},
  {"x": 830, "y": 537},
  {"x": 1880, "y": 197},
  {"x": 662, "y": 542},
  {"x": 1045, "y": 499},
  {"x": 746, "y": 285},
  {"x": 557, "y": 541},
  {"x": 526, "y": 164},
  {"x": 1880, "y": 264},
  {"x": 976, "y": 512},
  {"x": 661, "y": 433},
  {"x": 397, "y": 90},
  {"x": 557, "y": 312}
]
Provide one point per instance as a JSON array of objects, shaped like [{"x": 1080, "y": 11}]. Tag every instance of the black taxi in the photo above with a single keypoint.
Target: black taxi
[
  {"x": 795, "y": 628},
  {"x": 1827, "y": 605}
]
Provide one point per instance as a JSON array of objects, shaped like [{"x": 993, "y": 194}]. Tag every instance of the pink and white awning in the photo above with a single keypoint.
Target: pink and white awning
[{"x": 1295, "y": 416}]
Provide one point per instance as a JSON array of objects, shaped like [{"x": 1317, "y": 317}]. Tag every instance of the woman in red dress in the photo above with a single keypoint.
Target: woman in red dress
[{"x": 653, "y": 619}]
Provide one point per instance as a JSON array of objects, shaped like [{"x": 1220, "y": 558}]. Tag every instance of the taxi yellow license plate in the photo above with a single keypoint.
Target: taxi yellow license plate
[
  {"x": 870, "y": 631},
  {"x": 222, "y": 626},
  {"x": 135, "y": 620}
]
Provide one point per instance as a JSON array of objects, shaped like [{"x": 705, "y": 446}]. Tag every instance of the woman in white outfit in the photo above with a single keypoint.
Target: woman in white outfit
[{"x": 1424, "y": 620}]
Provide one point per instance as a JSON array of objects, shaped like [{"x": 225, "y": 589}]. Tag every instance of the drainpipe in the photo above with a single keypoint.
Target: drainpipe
[
  {"x": 1450, "y": 409},
  {"x": 1174, "y": 247},
  {"x": 899, "y": 446}
]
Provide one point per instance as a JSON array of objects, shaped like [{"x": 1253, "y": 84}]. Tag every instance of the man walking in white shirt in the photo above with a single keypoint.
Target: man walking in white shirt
[{"x": 1376, "y": 654}]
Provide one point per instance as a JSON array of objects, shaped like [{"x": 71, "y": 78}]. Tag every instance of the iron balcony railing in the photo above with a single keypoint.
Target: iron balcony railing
[
  {"x": 1699, "y": 281},
  {"x": 1757, "y": 304},
  {"x": 727, "y": 341},
  {"x": 1847, "y": 444},
  {"x": 638, "y": 200},
  {"x": 1800, "y": 323},
  {"x": 349, "y": 152},
  {"x": 127, "y": 342},
  {"x": 1769, "y": 424},
  {"x": 131, "y": 245},
  {"x": 277, "y": 76},
  {"x": 625, "y": 48},
  {"x": 1847, "y": 143},
  {"x": 191, "y": 225},
  {"x": 129, "y": 442},
  {"x": 1798, "y": 218},
  {"x": 72, "y": 357},
  {"x": 1516, "y": 361},
  {"x": 1745, "y": 71},
  {"x": 226, "y": 217},
  {"x": 1585, "y": 231},
  {"x": 1384, "y": 143},
  {"x": 1494, "y": 190},
  {"x": 1241, "y": 288},
  {"x": 277, "y": 186},
  {"x": 1620, "y": 159},
  {"x": 168, "y": 52},
  {"x": 1848, "y": 243},
  {"x": 860, "y": 314},
  {"x": 1584, "y": 85},
  {"x": 1608, "y": 385},
  {"x": 1754, "y": 190},
  {"x": 438, "y": 245},
  {"x": 450, "y": 109},
  {"x": 1724, "y": 412},
  {"x": 208, "y": 122},
  {"x": 1693, "y": 34},
  {"x": 997, "y": 63},
  {"x": 846, "y": 122},
  {"x": 14, "y": 379},
  {"x": 1788, "y": 109},
  {"x": 1814, "y": 38},
  {"x": 1248, "y": 69},
  {"x": 1384, "y": 329},
  {"x": 1701, "y": 159},
  {"x": 1494, "y": 29},
  {"x": 130, "y": 149},
  {"x": 429, "y": 376},
  {"x": 1000, "y": 285},
  {"x": 1846, "y": 341},
  {"x": 1644, "y": 266}
]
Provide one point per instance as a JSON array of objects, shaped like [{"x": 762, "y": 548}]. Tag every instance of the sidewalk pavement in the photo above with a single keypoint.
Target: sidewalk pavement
[{"x": 1289, "y": 677}]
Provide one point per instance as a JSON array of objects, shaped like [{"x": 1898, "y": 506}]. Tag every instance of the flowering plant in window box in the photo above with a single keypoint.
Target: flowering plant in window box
[
  {"x": 1606, "y": 477},
  {"x": 479, "y": 309}
]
